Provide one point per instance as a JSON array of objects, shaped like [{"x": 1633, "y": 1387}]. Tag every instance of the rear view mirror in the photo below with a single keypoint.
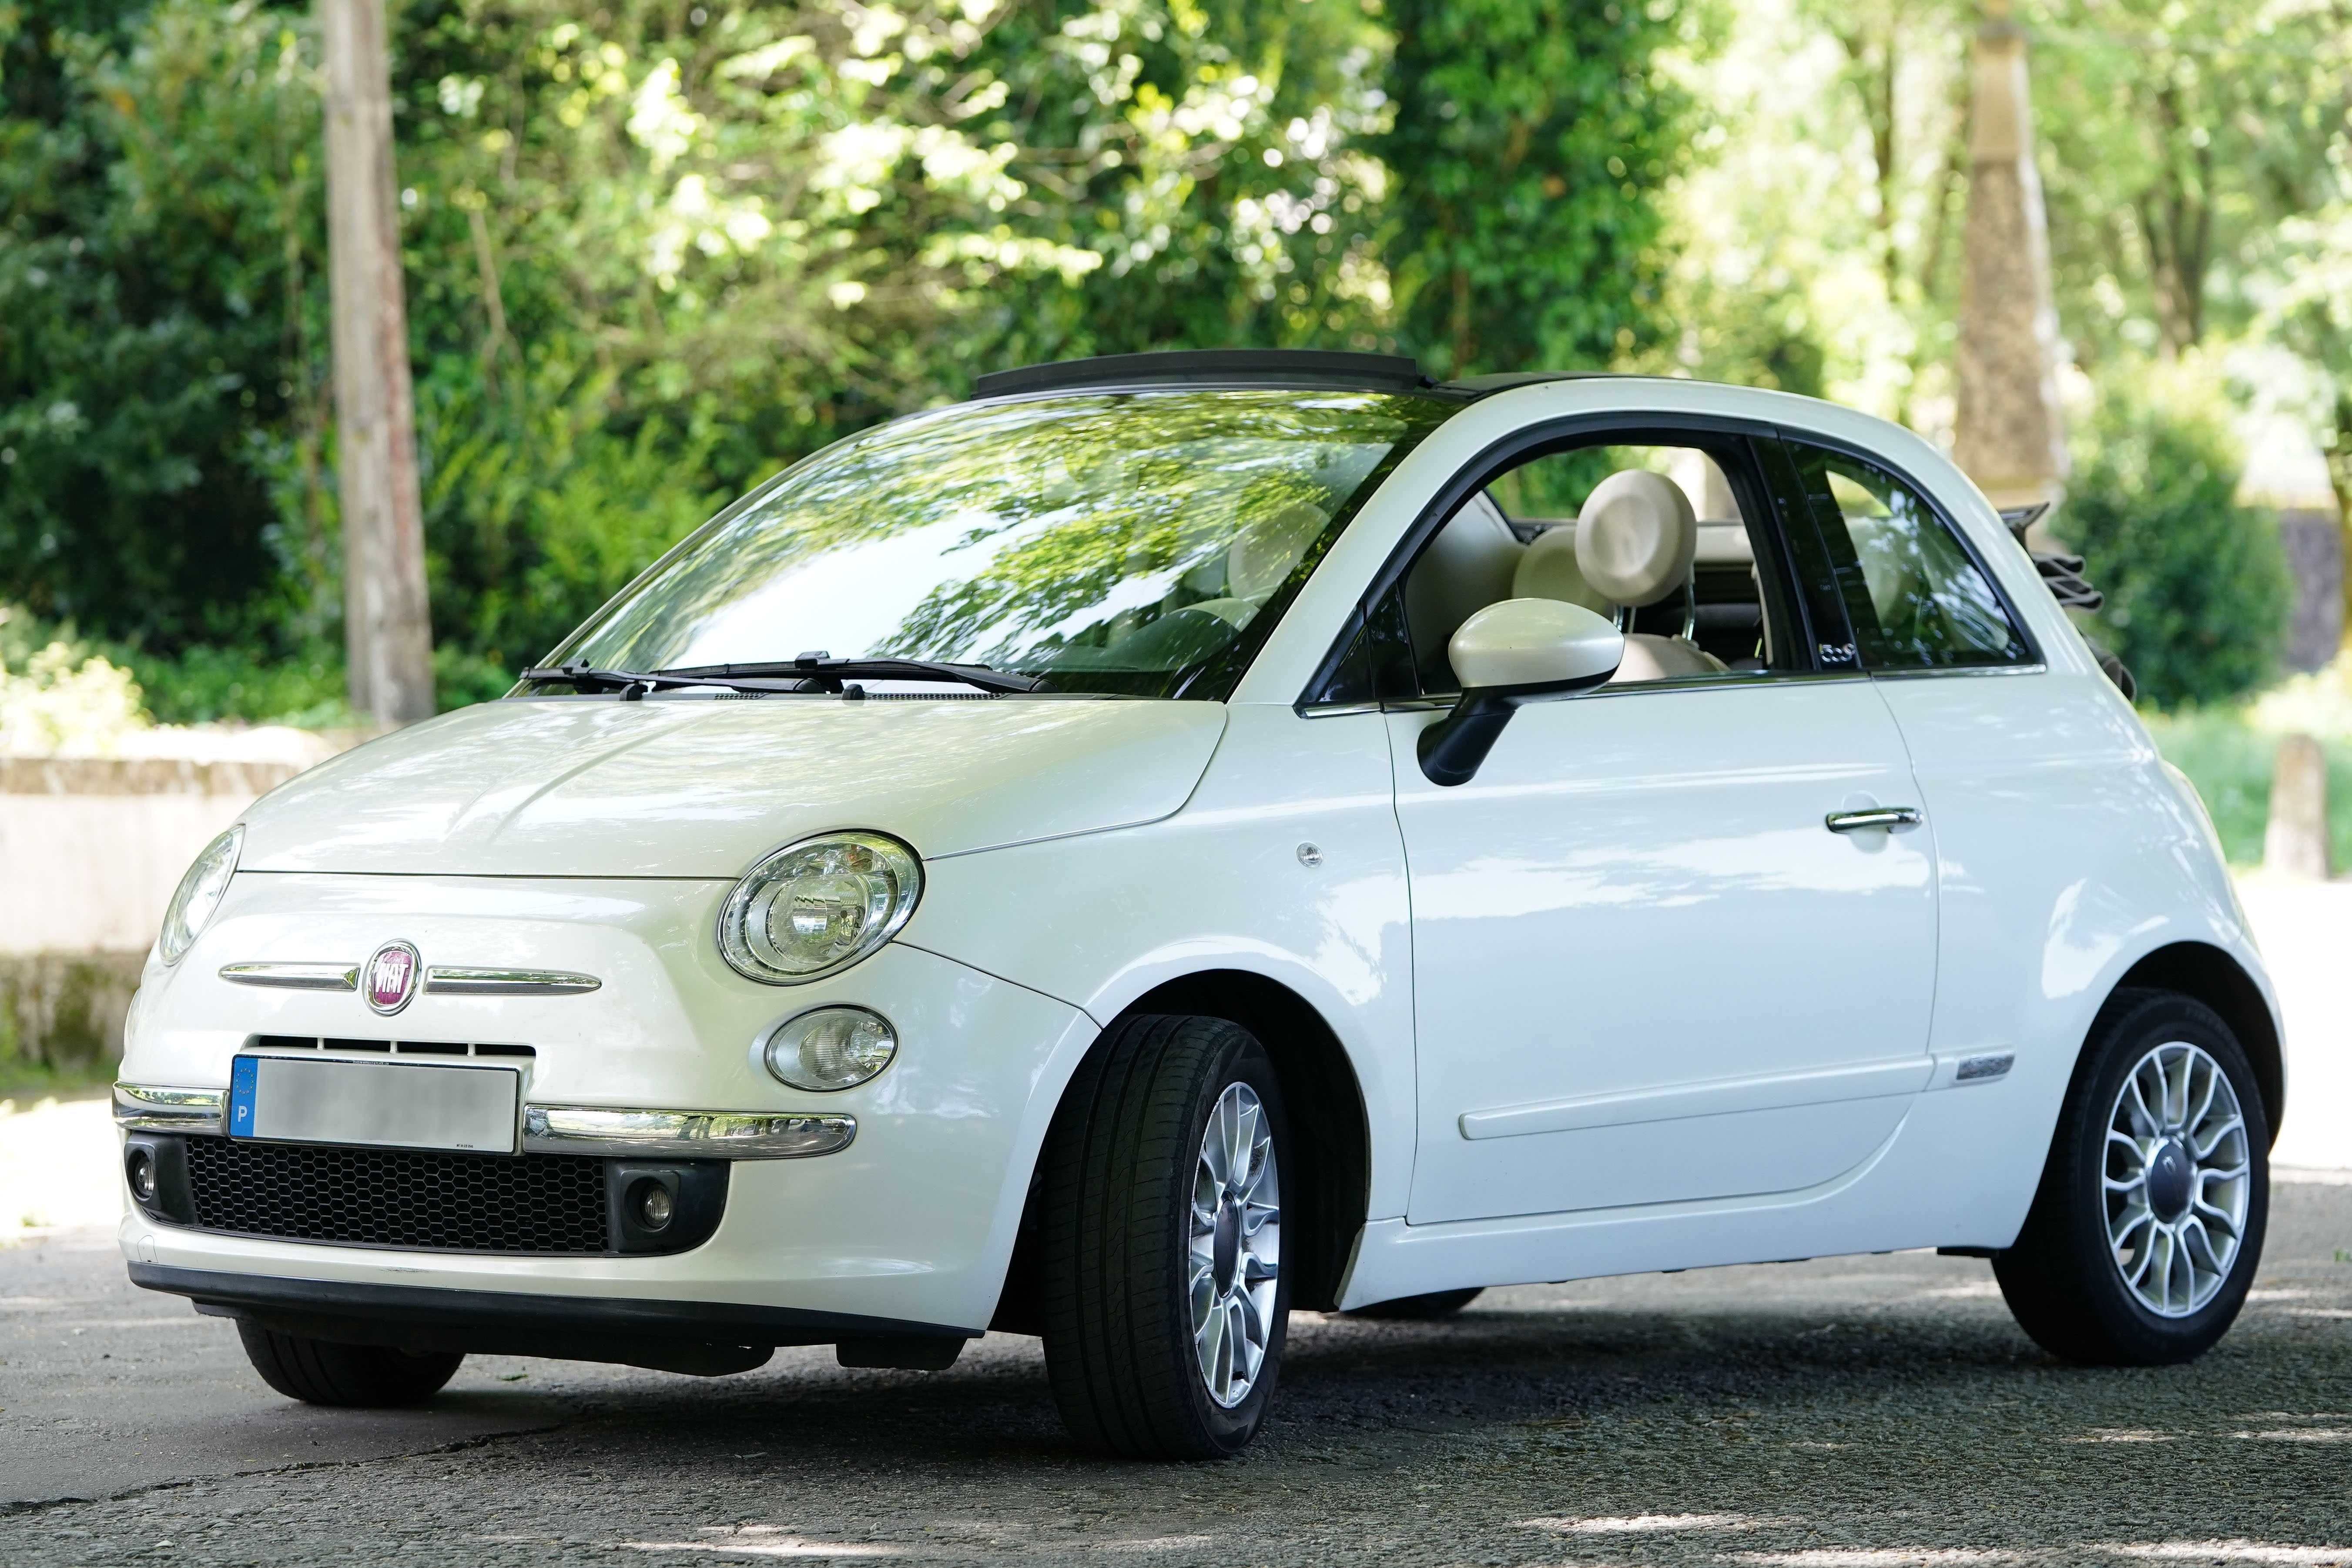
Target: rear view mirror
[{"x": 1520, "y": 650}]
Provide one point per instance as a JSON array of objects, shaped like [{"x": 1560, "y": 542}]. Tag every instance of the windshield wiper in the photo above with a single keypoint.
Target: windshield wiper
[
  {"x": 823, "y": 672},
  {"x": 809, "y": 672},
  {"x": 631, "y": 683}
]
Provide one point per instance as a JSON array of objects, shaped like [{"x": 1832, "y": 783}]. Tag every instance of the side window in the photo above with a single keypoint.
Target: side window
[
  {"x": 1691, "y": 572},
  {"x": 1914, "y": 597}
]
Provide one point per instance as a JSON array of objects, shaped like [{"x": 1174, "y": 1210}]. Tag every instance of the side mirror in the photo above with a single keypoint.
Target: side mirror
[{"x": 1521, "y": 650}]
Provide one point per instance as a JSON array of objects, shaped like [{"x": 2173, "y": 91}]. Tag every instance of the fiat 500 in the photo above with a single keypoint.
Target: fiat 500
[{"x": 1183, "y": 837}]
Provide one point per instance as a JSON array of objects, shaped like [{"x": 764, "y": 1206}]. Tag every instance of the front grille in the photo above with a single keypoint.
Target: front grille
[
  {"x": 399, "y": 1197},
  {"x": 387, "y": 1047}
]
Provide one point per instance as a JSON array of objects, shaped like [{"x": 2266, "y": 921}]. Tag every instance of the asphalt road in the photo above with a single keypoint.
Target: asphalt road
[{"x": 1846, "y": 1413}]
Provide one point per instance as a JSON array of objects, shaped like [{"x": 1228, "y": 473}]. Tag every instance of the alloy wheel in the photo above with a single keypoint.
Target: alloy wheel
[
  {"x": 1236, "y": 1251},
  {"x": 2178, "y": 1179}
]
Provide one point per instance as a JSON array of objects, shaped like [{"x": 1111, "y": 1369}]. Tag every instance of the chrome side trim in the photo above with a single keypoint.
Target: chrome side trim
[
  {"x": 294, "y": 977},
  {"x": 691, "y": 1134},
  {"x": 450, "y": 980},
  {"x": 1986, "y": 1064},
  {"x": 1771, "y": 1091},
  {"x": 145, "y": 1108},
  {"x": 1941, "y": 671}
]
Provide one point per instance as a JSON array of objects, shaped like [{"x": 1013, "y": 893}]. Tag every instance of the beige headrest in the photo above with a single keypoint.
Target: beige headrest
[
  {"x": 1636, "y": 536},
  {"x": 1549, "y": 571}
]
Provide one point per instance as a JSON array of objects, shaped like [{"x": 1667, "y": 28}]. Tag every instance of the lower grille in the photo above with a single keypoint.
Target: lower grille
[{"x": 399, "y": 1197}]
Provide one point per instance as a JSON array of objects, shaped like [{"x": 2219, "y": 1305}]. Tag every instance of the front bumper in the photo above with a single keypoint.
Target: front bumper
[
  {"x": 912, "y": 1223},
  {"x": 700, "y": 1338}
]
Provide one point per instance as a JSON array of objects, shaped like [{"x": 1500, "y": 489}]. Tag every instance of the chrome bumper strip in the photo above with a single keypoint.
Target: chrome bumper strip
[
  {"x": 557, "y": 1129},
  {"x": 294, "y": 977},
  {"x": 687, "y": 1134},
  {"x": 142, "y": 1107},
  {"x": 448, "y": 980}
]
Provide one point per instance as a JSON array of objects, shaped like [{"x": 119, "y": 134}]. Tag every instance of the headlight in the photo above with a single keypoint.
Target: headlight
[
  {"x": 819, "y": 906},
  {"x": 199, "y": 894},
  {"x": 830, "y": 1048}
]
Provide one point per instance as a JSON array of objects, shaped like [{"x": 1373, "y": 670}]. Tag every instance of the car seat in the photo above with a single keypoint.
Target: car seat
[
  {"x": 1634, "y": 545},
  {"x": 1468, "y": 566}
]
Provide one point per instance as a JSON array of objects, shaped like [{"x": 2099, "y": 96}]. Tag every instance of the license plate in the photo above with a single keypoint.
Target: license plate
[{"x": 403, "y": 1105}]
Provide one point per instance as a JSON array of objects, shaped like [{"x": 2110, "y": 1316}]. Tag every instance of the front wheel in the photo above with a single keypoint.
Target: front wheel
[
  {"x": 2143, "y": 1237},
  {"x": 321, "y": 1372},
  {"x": 1164, "y": 1294}
]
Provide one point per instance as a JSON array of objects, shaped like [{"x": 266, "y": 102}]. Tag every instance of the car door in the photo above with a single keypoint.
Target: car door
[{"x": 1649, "y": 967}]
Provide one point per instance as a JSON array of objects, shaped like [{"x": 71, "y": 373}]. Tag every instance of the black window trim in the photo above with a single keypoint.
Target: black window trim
[
  {"x": 2034, "y": 663},
  {"x": 1518, "y": 447}
]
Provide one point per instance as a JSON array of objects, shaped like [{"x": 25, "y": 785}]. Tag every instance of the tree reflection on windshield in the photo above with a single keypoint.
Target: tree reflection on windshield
[{"x": 1120, "y": 542}]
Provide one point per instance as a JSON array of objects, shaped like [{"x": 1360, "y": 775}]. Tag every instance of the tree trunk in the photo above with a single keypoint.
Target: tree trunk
[
  {"x": 387, "y": 633},
  {"x": 2296, "y": 842},
  {"x": 2339, "y": 479}
]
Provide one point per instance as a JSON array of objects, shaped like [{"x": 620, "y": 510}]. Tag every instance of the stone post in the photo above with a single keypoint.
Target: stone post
[
  {"x": 2296, "y": 842},
  {"x": 2008, "y": 439}
]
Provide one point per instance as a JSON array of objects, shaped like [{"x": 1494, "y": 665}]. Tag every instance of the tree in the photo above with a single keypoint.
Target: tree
[
  {"x": 2196, "y": 585},
  {"x": 1530, "y": 140},
  {"x": 654, "y": 250},
  {"x": 2179, "y": 132},
  {"x": 158, "y": 178},
  {"x": 2310, "y": 312}
]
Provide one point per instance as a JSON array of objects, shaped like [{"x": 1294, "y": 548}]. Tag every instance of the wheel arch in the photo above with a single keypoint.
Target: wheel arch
[
  {"x": 2212, "y": 975},
  {"x": 1330, "y": 1128}
]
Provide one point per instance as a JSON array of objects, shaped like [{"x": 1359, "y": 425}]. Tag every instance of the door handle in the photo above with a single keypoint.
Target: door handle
[{"x": 1886, "y": 816}]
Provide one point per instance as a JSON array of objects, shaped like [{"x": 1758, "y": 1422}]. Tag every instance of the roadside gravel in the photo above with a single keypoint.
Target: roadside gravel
[{"x": 1844, "y": 1413}]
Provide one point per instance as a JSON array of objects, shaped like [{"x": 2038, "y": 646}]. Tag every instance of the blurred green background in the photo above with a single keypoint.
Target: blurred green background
[{"x": 654, "y": 251}]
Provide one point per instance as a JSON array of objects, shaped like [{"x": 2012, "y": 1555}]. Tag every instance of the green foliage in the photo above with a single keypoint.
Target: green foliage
[
  {"x": 2231, "y": 763},
  {"x": 1530, "y": 141},
  {"x": 538, "y": 509},
  {"x": 205, "y": 683},
  {"x": 1210, "y": 155},
  {"x": 58, "y": 695},
  {"x": 156, "y": 174},
  {"x": 2178, "y": 133},
  {"x": 2196, "y": 585},
  {"x": 654, "y": 252}
]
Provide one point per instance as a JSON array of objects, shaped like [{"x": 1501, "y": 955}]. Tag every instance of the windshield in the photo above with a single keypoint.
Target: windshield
[{"x": 1133, "y": 543}]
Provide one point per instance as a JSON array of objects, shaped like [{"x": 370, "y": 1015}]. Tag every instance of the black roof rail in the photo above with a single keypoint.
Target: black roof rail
[
  {"x": 1504, "y": 381},
  {"x": 1287, "y": 367}
]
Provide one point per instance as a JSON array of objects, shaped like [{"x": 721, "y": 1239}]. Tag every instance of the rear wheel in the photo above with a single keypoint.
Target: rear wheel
[
  {"x": 321, "y": 1372},
  {"x": 1421, "y": 1309},
  {"x": 2143, "y": 1237},
  {"x": 1165, "y": 1298}
]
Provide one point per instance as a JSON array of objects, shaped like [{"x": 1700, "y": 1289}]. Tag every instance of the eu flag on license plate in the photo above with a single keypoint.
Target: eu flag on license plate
[{"x": 241, "y": 1075}]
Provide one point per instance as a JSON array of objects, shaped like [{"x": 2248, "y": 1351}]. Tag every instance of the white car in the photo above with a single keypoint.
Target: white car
[{"x": 1182, "y": 837}]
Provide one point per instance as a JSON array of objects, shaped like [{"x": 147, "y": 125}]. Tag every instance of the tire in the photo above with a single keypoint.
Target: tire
[
  {"x": 1122, "y": 1282},
  {"x": 365, "y": 1377},
  {"x": 2069, "y": 1280},
  {"x": 1421, "y": 1309}
]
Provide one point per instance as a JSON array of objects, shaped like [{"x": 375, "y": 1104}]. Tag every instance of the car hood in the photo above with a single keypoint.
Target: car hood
[{"x": 701, "y": 788}]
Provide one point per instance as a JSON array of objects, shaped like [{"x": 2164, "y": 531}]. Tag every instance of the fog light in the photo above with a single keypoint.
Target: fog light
[
  {"x": 655, "y": 1206},
  {"x": 830, "y": 1048},
  {"x": 139, "y": 1164}
]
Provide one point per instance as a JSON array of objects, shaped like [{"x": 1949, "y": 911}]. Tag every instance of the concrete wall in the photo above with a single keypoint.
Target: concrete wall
[{"x": 91, "y": 848}]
